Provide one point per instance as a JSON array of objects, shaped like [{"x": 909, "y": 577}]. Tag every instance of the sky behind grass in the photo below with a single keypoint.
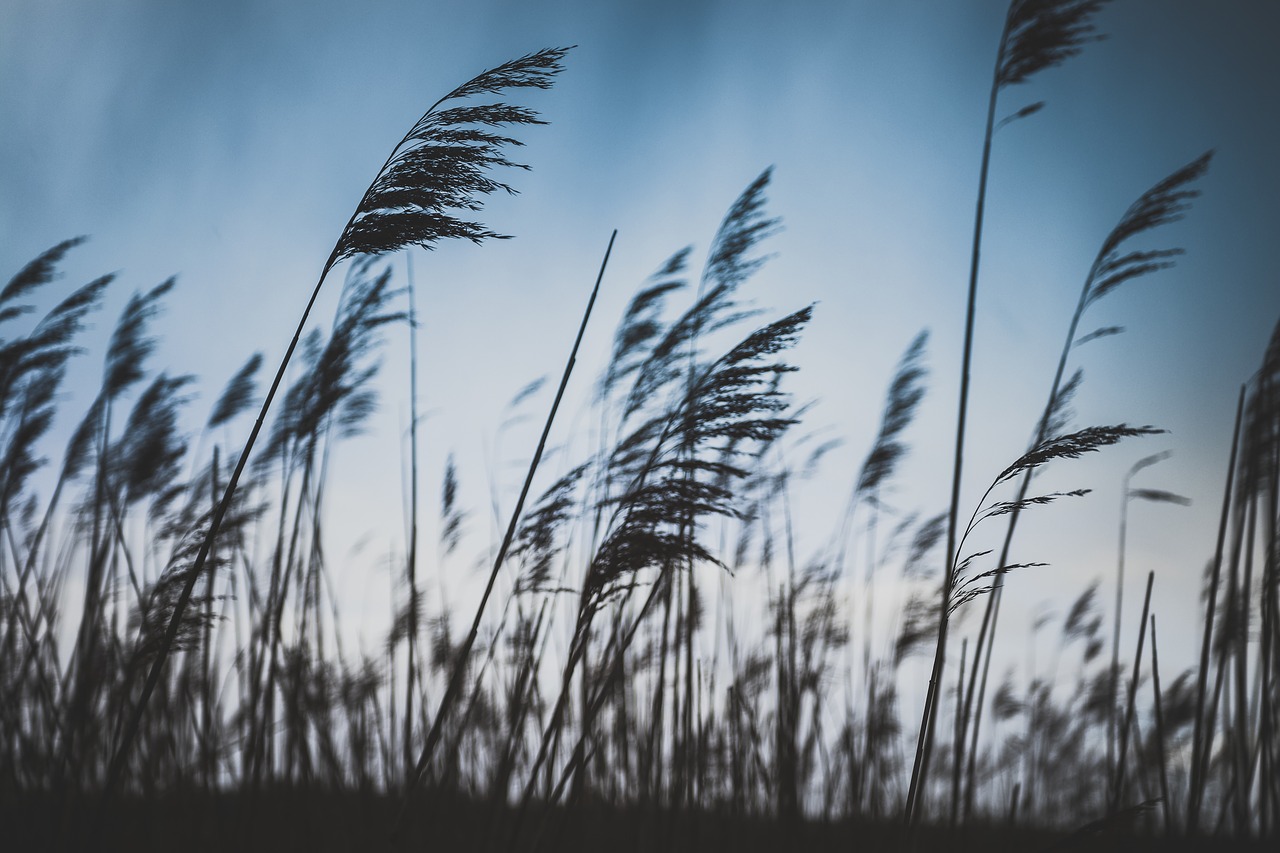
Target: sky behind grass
[{"x": 227, "y": 142}]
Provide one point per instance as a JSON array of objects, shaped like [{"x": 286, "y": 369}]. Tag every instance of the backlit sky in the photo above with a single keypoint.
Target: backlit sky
[{"x": 227, "y": 142}]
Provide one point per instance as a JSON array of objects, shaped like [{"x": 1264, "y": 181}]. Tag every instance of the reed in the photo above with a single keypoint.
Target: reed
[
  {"x": 1037, "y": 34},
  {"x": 438, "y": 168},
  {"x": 664, "y": 655}
]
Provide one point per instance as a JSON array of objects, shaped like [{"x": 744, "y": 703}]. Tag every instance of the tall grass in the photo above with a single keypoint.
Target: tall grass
[
  {"x": 1037, "y": 34},
  {"x": 618, "y": 682},
  {"x": 438, "y": 169}
]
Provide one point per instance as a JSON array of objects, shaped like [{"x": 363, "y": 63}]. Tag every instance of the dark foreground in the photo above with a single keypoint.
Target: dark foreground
[{"x": 283, "y": 821}]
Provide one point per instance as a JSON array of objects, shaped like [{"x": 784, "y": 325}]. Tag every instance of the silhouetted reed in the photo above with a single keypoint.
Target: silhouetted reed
[{"x": 658, "y": 653}]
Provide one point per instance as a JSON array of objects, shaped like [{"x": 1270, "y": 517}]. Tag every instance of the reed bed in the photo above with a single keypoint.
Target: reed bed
[{"x": 174, "y": 670}]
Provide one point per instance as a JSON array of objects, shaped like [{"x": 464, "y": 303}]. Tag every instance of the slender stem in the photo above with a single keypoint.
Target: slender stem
[
  {"x": 1117, "y": 790},
  {"x": 1197, "y": 774},
  {"x": 464, "y": 651},
  {"x": 1242, "y": 766},
  {"x": 209, "y": 753},
  {"x": 924, "y": 745},
  {"x": 1164, "y": 764},
  {"x": 1114, "y": 675},
  {"x": 412, "y": 560},
  {"x": 993, "y": 611},
  {"x": 958, "y": 736}
]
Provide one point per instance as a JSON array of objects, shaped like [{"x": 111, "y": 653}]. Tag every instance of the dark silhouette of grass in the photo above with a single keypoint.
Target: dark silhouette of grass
[
  {"x": 440, "y": 166},
  {"x": 617, "y": 695},
  {"x": 629, "y": 739},
  {"x": 1037, "y": 34}
]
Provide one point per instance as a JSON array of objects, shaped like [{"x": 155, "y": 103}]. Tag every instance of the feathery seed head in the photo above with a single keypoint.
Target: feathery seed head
[{"x": 440, "y": 171}]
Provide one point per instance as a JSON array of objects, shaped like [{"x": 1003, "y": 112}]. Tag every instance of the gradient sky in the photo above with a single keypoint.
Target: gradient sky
[{"x": 227, "y": 142}]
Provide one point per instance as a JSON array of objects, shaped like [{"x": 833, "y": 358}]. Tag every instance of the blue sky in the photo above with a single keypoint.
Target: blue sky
[{"x": 227, "y": 143}]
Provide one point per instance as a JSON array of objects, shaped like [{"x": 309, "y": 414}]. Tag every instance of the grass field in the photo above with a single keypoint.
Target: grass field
[{"x": 656, "y": 661}]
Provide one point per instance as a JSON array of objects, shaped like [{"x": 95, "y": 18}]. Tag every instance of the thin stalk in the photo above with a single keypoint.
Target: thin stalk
[
  {"x": 455, "y": 679},
  {"x": 924, "y": 744},
  {"x": 1117, "y": 793},
  {"x": 1164, "y": 765},
  {"x": 1226, "y": 653},
  {"x": 1113, "y": 689},
  {"x": 210, "y": 756},
  {"x": 1267, "y": 794},
  {"x": 1197, "y": 742},
  {"x": 412, "y": 560},
  {"x": 990, "y": 615},
  {"x": 958, "y": 735},
  {"x": 1242, "y": 764},
  {"x": 653, "y": 765}
]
